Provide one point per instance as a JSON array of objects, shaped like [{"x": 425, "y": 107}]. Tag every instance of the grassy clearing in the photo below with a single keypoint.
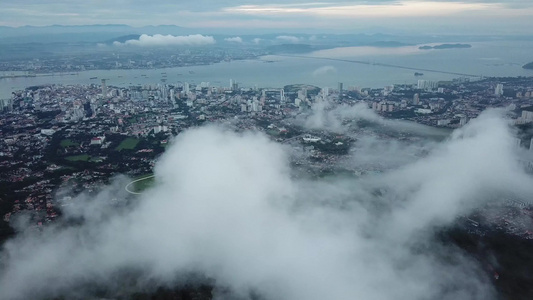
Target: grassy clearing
[
  {"x": 67, "y": 143},
  {"x": 82, "y": 157},
  {"x": 128, "y": 143},
  {"x": 145, "y": 182}
]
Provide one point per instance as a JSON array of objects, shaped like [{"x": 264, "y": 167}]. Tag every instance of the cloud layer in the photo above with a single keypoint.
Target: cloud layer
[
  {"x": 288, "y": 39},
  {"x": 486, "y": 16},
  {"x": 227, "y": 205},
  {"x": 169, "y": 40},
  {"x": 236, "y": 39}
]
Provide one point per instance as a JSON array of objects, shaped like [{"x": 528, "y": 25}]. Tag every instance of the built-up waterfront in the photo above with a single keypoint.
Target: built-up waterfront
[{"x": 82, "y": 135}]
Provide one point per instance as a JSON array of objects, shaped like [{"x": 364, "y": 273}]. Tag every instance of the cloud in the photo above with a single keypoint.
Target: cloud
[
  {"x": 326, "y": 115},
  {"x": 329, "y": 116},
  {"x": 228, "y": 206},
  {"x": 236, "y": 39},
  {"x": 296, "y": 15},
  {"x": 288, "y": 38},
  {"x": 257, "y": 41},
  {"x": 169, "y": 40},
  {"x": 325, "y": 70}
]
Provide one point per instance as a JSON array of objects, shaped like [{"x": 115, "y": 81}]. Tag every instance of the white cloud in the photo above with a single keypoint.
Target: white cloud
[
  {"x": 236, "y": 39},
  {"x": 169, "y": 40},
  {"x": 257, "y": 41},
  {"x": 288, "y": 38},
  {"x": 325, "y": 70},
  {"x": 326, "y": 116},
  {"x": 226, "y": 205}
]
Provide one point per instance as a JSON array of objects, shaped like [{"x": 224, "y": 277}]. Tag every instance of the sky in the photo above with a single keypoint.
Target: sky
[{"x": 439, "y": 16}]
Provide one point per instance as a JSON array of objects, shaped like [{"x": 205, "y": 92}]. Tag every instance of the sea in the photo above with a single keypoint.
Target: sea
[{"x": 498, "y": 58}]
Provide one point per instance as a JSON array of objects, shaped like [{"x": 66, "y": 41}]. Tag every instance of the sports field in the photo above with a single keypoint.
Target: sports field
[{"x": 128, "y": 143}]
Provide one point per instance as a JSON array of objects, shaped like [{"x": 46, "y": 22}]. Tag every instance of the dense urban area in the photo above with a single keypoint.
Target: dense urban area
[
  {"x": 80, "y": 136},
  {"x": 102, "y": 58}
]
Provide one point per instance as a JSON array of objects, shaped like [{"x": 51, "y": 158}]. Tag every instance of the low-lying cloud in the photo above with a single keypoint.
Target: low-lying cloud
[
  {"x": 288, "y": 39},
  {"x": 328, "y": 116},
  {"x": 236, "y": 39},
  {"x": 325, "y": 70},
  {"x": 226, "y": 205},
  {"x": 169, "y": 40}
]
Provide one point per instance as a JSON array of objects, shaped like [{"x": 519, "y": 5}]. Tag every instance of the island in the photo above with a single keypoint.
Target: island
[
  {"x": 528, "y": 66},
  {"x": 445, "y": 46}
]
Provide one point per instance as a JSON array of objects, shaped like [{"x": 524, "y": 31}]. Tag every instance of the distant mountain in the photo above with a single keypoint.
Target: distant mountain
[
  {"x": 528, "y": 66},
  {"x": 82, "y": 33},
  {"x": 445, "y": 46},
  {"x": 122, "y": 39}
]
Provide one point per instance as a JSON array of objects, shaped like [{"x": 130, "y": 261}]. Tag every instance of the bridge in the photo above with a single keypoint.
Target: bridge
[{"x": 381, "y": 65}]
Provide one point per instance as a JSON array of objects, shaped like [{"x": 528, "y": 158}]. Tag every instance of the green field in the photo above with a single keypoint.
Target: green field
[
  {"x": 67, "y": 143},
  {"x": 145, "y": 182},
  {"x": 82, "y": 157},
  {"x": 128, "y": 143}
]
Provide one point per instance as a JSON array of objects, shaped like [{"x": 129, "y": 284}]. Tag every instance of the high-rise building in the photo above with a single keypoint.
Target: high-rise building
[
  {"x": 527, "y": 115},
  {"x": 498, "y": 91},
  {"x": 104, "y": 89},
  {"x": 427, "y": 84},
  {"x": 463, "y": 120},
  {"x": 6, "y": 104},
  {"x": 340, "y": 87},
  {"x": 302, "y": 94},
  {"x": 416, "y": 99},
  {"x": 233, "y": 85}
]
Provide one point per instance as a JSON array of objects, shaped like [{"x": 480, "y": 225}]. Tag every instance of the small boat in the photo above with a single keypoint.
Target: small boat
[
  {"x": 418, "y": 74},
  {"x": 93, "y": 78}
]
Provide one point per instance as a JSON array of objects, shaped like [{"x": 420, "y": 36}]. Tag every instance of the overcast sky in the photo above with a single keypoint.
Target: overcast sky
[{"x": 475, "y": 16}]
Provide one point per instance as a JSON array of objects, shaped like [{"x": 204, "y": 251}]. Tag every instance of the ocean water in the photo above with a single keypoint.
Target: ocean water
[{"x": 495, "y": 58}]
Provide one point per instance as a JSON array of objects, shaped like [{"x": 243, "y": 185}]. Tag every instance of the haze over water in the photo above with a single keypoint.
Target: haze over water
[{"x": 491, "y": 59}]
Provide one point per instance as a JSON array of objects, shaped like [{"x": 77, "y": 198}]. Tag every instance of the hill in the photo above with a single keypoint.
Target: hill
[
  {"x": 445, "y": 46},
  {"x": 528, "y": 66}
]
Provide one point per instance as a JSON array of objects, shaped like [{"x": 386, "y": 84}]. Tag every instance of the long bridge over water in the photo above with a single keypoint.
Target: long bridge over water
[{"x": 381, "y": 65}]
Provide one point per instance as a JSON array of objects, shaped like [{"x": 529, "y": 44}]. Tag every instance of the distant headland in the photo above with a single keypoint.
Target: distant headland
[
  {"x": 445, "y": 46},
  {"x": 528, "y": 66}
]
